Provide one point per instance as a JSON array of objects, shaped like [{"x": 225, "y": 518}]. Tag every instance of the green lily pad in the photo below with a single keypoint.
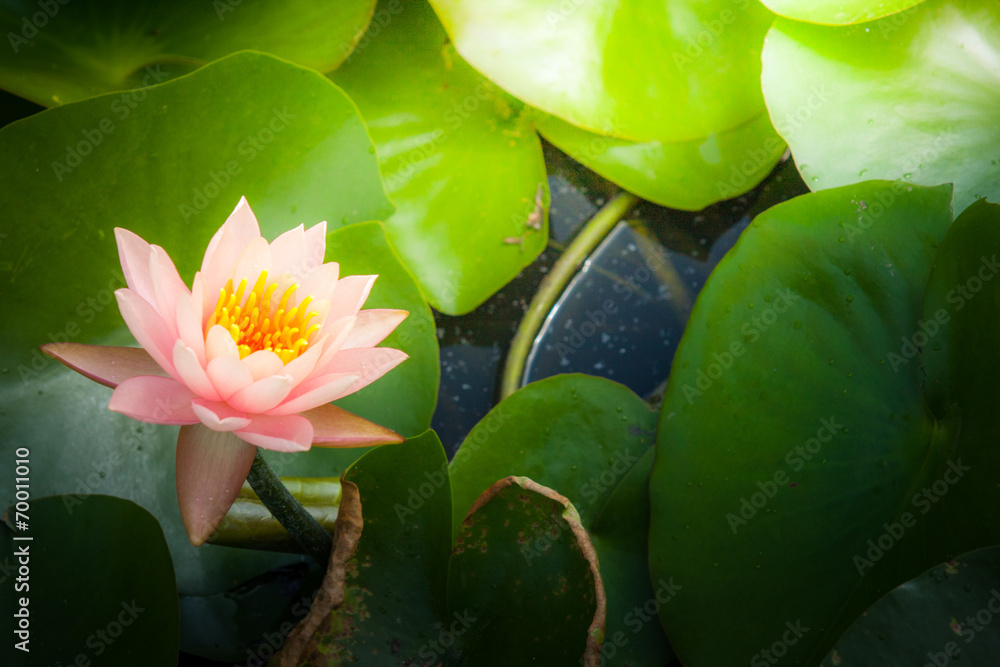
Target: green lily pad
[
  {"x": 799, "y": 464},
  {"x": 171, "y": 171},
  {"x": 588, "y": 439},
  {"x": 461, "y": 160},
  {"x": 62, "y": 51},
  {"x": 943, "y": 615},
  {"x": 112, "y": 598},
  {"x": 911, "y": 97},
  {"x": 643, "y": 71},
  {"x": 686, "y": 175},
  {"x": 403, "y": 399},
  {"x": 394, "y": 591},
  {"x": 514, "y": 606},
  {"x": 838, "y": 12}
]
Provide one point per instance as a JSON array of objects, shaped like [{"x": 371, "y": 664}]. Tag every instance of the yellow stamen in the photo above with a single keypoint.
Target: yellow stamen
[{"x": 249, "y": 319}]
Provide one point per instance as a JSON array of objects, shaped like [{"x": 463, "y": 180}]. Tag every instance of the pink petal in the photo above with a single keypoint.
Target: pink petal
[
  {"x": 315, "y": 247},
  {"x": 189, "y": 321},
  {"x": 336, "y": 427},
  {"x": 190, "y": 371},
  {"x": 368, "y": 363},
  {"x": 134, "y": 254},
  {"x": 106, "y": 364},
  {"x": 335, "y": 333},
  {"x": 373, "y": 326},
  {"x": 263, "y": 363},
  {"x": 315, "y": 392},
  {"x": 154, "y": 400},
  {"x": 262, "y": 395},
  {"x": 167, "y": 286},
  {"x": 350, "y": 295},
  {"x": 301, "y": 366},
  {"x": 322, "y": 283},
  {"x": 226, "y": 246},
  {"x": 148, "y": 328},
  {"x": 290, "y": 433},
  {"x": 256, "y": 257},
  {"x": 288, "y": 252},
  {"x": 211, "y": 468},
  {"x": 228, "y": 375},
  {"x": 241, "y": 227},
  {"x": 220, "y": 343},
  {"x": 219, "y": 416}
]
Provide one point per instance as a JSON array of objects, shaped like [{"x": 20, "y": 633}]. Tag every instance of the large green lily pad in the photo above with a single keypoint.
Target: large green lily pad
[
  {"x": 912, "y": 96},
  {"x": 588, "y": 439},
  {"x": 171, "y": 170},
  {"x": 668, "y": 71},
  {"x": 78, "y": 591},
  {"x": 62, "y": 51},
  {"x": 461, "y": 160},
  {"x": 809, "y": 455}
]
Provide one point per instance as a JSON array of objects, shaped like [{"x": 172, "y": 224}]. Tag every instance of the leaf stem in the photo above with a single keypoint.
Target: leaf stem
[
  {"x": 304, "y": 529},
  {"x": 596, "y": 229}
]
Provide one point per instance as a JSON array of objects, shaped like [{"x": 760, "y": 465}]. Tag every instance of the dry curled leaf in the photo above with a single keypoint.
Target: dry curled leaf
[{"x": 331, "y": 592}]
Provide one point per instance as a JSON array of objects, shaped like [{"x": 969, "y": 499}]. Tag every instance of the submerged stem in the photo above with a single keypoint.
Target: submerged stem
[
  {"x": 553, "y": 284},
  {"x": 304, "y": 529}
]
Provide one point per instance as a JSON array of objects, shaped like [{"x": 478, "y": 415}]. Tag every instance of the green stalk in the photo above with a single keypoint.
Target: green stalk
[
  {"x": 596, "y": 229},
  {"x": 304, "y": 529}
]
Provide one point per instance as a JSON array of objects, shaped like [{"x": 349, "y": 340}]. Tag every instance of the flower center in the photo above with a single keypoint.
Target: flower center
[{"x": 254, "y": 327}]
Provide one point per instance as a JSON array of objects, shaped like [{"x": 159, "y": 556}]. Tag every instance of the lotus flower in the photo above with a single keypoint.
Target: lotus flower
[{"x": 250, "y": 356}]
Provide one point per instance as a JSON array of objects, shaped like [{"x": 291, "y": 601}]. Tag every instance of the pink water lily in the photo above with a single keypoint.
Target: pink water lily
[{"x": 250, "y": 356}]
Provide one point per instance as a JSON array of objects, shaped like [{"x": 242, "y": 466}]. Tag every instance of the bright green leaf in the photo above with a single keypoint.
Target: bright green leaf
[
  {"x": 61, "y": 52},
  {"x": 838, "y": 12},
  {"x": 912, "y": 96},
  {"x": 460, "y": 158},
  {"x": 669, "y": 71},
  {"x": 686, "y": 175}
]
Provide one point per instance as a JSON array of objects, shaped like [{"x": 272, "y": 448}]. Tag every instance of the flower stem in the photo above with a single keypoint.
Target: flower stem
[
  {"x": 596, "y": 229},
  {"x": 304, "y": 529}
]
